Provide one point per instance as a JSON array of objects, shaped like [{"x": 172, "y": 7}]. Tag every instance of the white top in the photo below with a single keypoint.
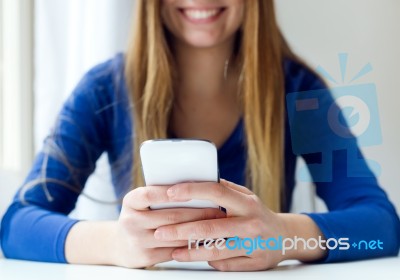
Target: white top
[{"x": 386, "y": 268}]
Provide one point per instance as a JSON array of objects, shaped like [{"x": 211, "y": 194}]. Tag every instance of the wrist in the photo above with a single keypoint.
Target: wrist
[
  {"x": 110, "y": 239},
  {"x": 301, "y": 228},
  {"x": 92, "y": 243}
]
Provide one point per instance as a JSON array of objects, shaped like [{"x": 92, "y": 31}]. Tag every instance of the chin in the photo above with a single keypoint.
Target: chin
[{"x": 202, "y": 41}]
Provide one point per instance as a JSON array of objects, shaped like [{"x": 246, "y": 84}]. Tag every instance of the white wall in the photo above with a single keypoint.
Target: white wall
[
  {"x": 71, "y": 37},
  {"x": 369, "y": 31}
]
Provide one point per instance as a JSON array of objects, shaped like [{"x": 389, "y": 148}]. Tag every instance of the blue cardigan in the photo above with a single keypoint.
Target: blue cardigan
[{"x": 97, "y": 118}]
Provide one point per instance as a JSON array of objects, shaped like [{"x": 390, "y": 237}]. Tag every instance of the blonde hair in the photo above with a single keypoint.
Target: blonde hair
[{"x": 261, "y": 50}]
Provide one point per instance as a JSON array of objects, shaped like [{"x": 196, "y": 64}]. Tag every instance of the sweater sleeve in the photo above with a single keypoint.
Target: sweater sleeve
[
  {"x": 359, "y": 210},
  {"x": 36, "y": 224}
]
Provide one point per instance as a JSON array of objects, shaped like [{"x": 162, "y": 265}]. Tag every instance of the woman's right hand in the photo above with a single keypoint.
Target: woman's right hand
[{"x": 135, "y": 245}]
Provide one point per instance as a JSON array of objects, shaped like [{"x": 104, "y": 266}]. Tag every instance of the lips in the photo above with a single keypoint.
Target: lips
[{"x": 202, "y": 15}]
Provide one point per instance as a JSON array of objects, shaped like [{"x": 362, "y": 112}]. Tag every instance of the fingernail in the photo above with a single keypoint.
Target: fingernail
[
  {"x": 171, "y": 192},
  {"x": 158, "y": 234}
]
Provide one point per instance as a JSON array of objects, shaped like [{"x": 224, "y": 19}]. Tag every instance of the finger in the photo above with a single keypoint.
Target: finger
[
  {"x": 238, "y": 264},
  {"x": 166, "y": 244},
  {"x": 236, "y": 187},
  {"x": 142, "y": 197},
  {"x": 226, "y": 227},
  {"x": 157, "y": 218},
  {"x": 155, "y": 256},
  {"x": 145, "y": 239},
  {"x": 206, "y": 252},
  {"x": 234, "y": 201}
]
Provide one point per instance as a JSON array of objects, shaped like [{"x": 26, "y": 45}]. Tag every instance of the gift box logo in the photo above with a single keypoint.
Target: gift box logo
[{"x": 326, "y": 120}]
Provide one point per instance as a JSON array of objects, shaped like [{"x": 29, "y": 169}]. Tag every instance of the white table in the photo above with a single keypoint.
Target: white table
[{"x": 387, "y": 268}]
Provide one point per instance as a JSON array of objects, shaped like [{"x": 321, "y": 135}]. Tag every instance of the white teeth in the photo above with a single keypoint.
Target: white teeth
[{"x": 200, "y": 14}]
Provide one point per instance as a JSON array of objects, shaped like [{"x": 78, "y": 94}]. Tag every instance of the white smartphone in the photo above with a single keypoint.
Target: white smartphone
[{"x": 173, "y": 161}]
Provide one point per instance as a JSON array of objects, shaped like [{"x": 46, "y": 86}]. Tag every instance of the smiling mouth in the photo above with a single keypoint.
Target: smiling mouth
[{"x": 202, "y": 15}]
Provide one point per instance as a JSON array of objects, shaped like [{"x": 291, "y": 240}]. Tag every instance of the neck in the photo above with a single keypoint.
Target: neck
[{"x": 202, "y": 70}]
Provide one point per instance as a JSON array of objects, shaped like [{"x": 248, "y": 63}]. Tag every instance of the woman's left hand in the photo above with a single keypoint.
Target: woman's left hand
[{"x": 247, "y": 217}]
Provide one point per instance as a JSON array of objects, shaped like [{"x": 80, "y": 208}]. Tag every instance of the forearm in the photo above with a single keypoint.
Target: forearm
[
  {"x": 91, "y": 243},
  {"x": 360, "y": 223},
  {"x": 302, "y": 226},
  {"x": 32, "y": 233}
]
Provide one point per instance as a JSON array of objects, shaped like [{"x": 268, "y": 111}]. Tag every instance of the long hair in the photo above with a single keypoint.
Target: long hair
[{"x": 261, "y": 51}]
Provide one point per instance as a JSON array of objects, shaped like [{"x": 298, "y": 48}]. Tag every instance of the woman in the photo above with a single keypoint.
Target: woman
[{"x": 217, "y": 70}]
